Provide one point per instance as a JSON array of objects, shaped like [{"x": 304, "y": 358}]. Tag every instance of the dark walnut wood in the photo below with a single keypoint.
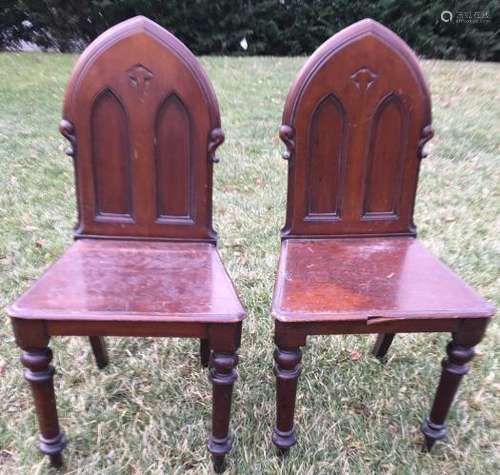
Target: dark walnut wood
[
  {"x": 143, "y": 124},
  {"x": 355, "y": 123}
]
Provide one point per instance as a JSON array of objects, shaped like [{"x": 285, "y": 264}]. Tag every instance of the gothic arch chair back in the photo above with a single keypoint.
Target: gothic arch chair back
[
  {"x": 355, "y": 122},
  {"x": 143, "y": 124}
]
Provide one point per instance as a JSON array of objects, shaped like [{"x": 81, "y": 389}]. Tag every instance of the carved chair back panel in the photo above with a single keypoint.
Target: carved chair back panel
[
  {"x": 143, "y": 116},
  {"x": 355, "y": 122}
]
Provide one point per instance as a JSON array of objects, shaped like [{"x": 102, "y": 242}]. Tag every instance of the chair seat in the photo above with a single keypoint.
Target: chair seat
[
  {"x": 134, "y": 281},
  {"x": 368, "y": 278}
]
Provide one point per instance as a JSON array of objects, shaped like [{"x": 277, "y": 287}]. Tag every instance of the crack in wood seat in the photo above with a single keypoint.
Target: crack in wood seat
[
  {"x": 143, "y": 124},
  {"x": 355, "y": 123}
]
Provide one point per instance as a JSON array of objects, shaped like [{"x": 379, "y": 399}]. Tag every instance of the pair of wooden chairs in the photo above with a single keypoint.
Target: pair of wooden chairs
[{"x": 144, "y": 125}]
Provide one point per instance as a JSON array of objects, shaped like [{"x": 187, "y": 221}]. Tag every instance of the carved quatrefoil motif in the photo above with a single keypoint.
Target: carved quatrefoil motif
[
  {"x": 363, "y": 79},
  {"x": 139, "y": 77}
]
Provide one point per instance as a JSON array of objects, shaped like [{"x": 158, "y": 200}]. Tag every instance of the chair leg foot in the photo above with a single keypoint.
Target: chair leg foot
[
  {"x": 53, "y": 448},
  {"x": 432, "y": 432},
  {"x": 219, "y": 448},
  {"x": 100, "y": 351},
  {"x": 284, "y": 440},
  {"x": 219, "y": 463},
  {"x": 56, "y": 460},
  {"x": 287, "y": 370},
  {"x": 382, "y": 344},
  {"x": 204, "y": 352},
  {"x": 282, "y": 451}
]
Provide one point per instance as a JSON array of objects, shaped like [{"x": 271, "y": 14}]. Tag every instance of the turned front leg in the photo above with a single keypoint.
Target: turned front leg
[
  {"x": 287, "y": 370},
  {"x": 460, "y": 351},
  {"x": 39, "y": 373},
  {"x": 223, "y": 375}
]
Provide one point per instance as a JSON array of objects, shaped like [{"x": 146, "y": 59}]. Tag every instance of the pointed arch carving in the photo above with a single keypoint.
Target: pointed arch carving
[
  {"x": 385, "y": 159},
  {"x": 325, "y": 173},
  {"x": 174, "y": 184},
  {"x": 111, "y": 157}
]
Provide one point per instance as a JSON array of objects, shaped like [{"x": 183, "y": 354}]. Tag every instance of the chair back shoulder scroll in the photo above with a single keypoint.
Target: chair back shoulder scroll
[
  {"x": 143, "y": 122},
  {"x": 355, "y": 123}
]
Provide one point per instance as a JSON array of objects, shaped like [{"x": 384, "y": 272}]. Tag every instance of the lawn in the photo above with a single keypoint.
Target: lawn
[{"x": 149, "y": 411}]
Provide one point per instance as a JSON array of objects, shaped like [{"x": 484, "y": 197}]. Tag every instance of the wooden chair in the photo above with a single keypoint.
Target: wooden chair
[
  {"x": 143, "y": 123},
  {"x": 354, "y": 124}
]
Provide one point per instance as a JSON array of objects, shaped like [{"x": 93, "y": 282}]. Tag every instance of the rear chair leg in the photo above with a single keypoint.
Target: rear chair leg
[
  {"x": 460, "y": 351},
  {"x": 382, "y": 344},
  {"x": 204, "y": 352},
  {"x": 100, "y": 351}
]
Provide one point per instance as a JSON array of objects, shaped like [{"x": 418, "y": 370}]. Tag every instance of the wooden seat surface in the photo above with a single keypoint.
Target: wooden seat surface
[
  {"x": 368, "y": 278},
  {"x": 133, "y": 281}
]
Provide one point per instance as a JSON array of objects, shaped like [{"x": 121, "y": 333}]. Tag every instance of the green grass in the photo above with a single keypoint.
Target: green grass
[{"x": 149, "y": 411}]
